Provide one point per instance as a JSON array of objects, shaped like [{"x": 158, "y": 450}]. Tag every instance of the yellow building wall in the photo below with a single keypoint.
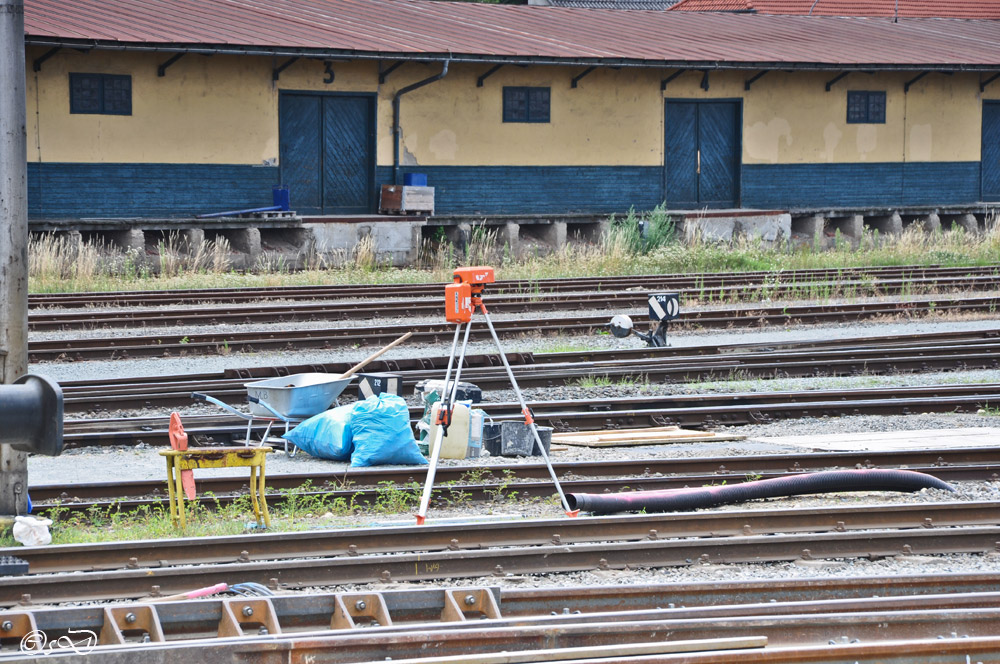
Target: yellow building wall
[
  {"x": 207, "y": 110},
  {"x": 224, "y": 110},
  {"x": 790, "y": 118},
  {"x": 612, "y": 118}
]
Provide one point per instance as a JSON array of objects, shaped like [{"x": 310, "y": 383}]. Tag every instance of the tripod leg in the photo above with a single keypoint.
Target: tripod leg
[
  {"x": 425, "y": 498},
  {"x": 527, "y": 414}
]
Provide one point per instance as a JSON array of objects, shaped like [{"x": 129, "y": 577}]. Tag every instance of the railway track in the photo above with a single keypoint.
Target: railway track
[
  {"x": 960, "y": 464},
  {"x": 699, "y": 411},
  {"x": 259, "y": 313},
  {"x": 366, "y": 541},
  {"x": 528, "y": 286},
  {"x": 823, "y": 620},
  {"x": 257, "y": 341},
  {"x": 948, "y": 351},
  {"x": 459, "y": 485},
  {"x": 518, "y": 547}
]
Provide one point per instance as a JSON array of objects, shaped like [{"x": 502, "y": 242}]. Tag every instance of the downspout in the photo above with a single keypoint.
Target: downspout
[{"x": 395, "y": 115}]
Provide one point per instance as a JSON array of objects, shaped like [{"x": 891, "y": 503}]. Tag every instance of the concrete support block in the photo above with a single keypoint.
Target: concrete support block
[
  {"x": 245, "y": 240},
  {"x": 966, "y": 222},
  {"x": 192, "y": 238},
  {"x": 931, "y": 223},
  {"x": 72, "y": 244},
  {"x": 133, "y": 240},
  {"x": 850, "y": 227},
  {"x": 709, "y": 229},
  {"x": 811, "y": 227},
  {"x": 886, "y": 225},
  {"x": 459, "y": 236},
  {"x": 554, "y": 234},
  {"x": 772, "y": 228},
  {"x": 510, "y": 235},
  {"x": 397, "y": 242}
]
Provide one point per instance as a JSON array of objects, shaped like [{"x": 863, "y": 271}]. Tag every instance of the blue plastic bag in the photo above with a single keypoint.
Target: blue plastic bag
[
  {"x": 325, "y": 436},
  {"x": 382, "y": 434}
]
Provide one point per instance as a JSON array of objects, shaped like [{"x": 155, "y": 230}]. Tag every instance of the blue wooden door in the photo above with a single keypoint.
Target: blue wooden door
[
  {"x": 682, "y": 155},
  {"x": 990, "y": 159},
  {"x": 327, "y": 152},
  {"x": 300, "y": 153},
  {"x": 702, "y": 154}
]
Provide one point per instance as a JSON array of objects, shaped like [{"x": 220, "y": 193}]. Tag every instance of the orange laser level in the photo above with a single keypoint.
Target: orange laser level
[{"x": 462, "y": 297}]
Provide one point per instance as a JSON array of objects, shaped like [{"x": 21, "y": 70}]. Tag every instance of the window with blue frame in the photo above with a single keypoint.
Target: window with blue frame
[
  {"x": 522, "y": 104},
  {"x": 865, "y": 107},
  {"x": 104, "y": 94}
]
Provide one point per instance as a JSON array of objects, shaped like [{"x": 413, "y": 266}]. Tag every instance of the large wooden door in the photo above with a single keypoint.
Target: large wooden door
[
  {"x": 702, "y": 154},
  {"x": 327, "y": 152},
  {"x": 990, "y": 156}
]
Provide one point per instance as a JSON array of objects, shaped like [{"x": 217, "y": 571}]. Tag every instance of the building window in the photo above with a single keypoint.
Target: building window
[
  {"x": 106, "y": 94},
  {"x": 865, "y": 107},
  {"x": 525, "y": 104}
]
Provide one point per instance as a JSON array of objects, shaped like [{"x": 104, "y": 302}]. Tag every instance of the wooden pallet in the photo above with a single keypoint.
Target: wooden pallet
[{"x": 633, "y": 437}]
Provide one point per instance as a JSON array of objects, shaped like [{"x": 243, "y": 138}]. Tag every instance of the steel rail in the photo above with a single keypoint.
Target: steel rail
[
  {"x": 435, "y": 565},
  {"x": 362, "y": 496},
  {"x": 415, "y": 608},
  {"x": 909, "y": 632},
  {"x": 533, "y": 286},
  {"x": 952, "y": 464},
  {"x": 477, "y": 536},
  {"x": 959, "y": 611},
  {"x": 697, "y": 411},
  {"x": 152, "y": 391},
  {"x": 79, "y": 349},
  {"x": 505, "y": 304}
]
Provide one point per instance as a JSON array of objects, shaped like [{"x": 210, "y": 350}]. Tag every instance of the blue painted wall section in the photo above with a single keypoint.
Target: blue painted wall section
[
  {"x": 851, "y": 185},
  {"x": 538, "y": 189},
  {"x": 62, "y": 190}
]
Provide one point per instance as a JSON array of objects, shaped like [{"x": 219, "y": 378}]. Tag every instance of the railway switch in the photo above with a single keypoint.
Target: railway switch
[{"x": 663, "y": 308}]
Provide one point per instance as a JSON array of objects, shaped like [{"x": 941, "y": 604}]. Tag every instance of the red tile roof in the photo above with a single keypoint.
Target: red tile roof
[
  {"x": 502, "y": 33},
  {"x": 974, "y": 9}
]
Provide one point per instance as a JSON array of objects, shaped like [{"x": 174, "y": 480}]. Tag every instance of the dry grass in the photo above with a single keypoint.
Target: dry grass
[{"x": 56, "y": 265}]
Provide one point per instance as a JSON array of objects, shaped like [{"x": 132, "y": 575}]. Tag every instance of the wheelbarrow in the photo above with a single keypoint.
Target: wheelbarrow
[
  {"x": 287, "y": 399},
  {"x": 293, "y": 398}
]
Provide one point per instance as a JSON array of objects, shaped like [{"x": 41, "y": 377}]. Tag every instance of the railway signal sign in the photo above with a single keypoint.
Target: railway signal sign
[{"x": 664, "y": 306}]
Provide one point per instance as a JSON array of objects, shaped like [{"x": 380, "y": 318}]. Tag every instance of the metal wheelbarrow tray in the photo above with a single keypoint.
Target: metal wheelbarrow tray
[
  {"x": 296, "y": 396},
  {"x": 288, "y": 399}
]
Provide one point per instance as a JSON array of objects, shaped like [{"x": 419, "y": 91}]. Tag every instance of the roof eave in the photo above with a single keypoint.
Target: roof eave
[{"x": 347, "y": 54}]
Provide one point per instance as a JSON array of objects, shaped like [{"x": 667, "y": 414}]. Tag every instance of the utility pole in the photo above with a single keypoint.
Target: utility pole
[{"x": 13, "y": 239}]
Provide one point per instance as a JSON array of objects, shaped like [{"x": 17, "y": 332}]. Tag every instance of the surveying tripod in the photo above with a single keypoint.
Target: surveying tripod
[{"x": 461, "y": 300}]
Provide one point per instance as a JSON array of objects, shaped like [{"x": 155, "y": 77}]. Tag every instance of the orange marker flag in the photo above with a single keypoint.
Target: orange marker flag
[{"x": 179, "y": 441}]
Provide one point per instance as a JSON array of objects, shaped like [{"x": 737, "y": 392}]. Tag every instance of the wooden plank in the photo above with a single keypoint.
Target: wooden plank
[
  {"x": 634, "y": 437},
  {"x": 894, "y": 440}
]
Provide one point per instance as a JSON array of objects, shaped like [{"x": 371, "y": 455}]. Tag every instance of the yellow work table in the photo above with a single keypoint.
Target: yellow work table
[{"x": 216, "y": 457}]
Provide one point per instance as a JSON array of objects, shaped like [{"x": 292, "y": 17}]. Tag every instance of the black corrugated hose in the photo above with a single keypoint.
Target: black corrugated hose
[{"x": 832, "y": 481}]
